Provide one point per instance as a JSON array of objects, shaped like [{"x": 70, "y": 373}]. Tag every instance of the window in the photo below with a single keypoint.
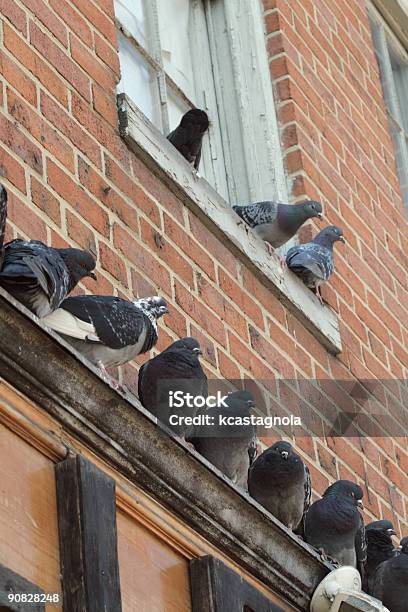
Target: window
[
  {"x": 208, "y": 54},
  {"x": 393, "y": 64}
]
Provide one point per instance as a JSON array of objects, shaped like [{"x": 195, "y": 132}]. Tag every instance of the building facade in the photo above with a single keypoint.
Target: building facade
[{"x": 307, "y": 100}]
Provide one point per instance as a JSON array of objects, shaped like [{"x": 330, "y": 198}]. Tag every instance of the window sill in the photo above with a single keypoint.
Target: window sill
[
  {"x": 163, "y": 159},
  {"x": 395, "y": 12}
]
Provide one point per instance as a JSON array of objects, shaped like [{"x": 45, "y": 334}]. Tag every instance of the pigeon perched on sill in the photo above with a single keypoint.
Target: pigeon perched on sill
[
  {"x": 41, "y": 277},
  {"x": 313, "y": 262},
  {"x": 280, "y": 482},
  {"x": 3, "y": 217},
  {"x": 391, "y": 581},
  {"x": 177, "y": 368},
  {"x": 379, "y": 548},
  {"x": 276, "y": 222},
  {"x": 230, "y": 447},
  {"x": 335, "y": 527},
  {"x": 188, "y": 135},
  {"x": 107, "y": 330}
]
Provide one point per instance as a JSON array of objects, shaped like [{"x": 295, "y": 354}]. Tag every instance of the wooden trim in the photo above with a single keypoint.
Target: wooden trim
[
  {"x": 114, "y": 426},
  {"x": 163, "y": 159},
  {"x": 10, "y": 582},
  {"x": 214, "y": 586},
  {"x": 88, "y": 537}
]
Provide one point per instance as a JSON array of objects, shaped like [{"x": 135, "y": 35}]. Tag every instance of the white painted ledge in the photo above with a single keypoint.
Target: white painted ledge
[
  {"x": 165, "y": 161},
  {"x": 395, "y": 13}
]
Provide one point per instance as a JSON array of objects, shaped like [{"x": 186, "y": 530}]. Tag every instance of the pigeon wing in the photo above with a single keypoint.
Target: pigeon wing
[
  {"x": 259, "y": 213},
  {"x": 318, "y": 260},
  {"x": 117, "y": 323}
]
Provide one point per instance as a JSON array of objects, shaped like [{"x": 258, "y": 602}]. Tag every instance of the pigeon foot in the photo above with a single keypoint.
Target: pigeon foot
[{"x": 108, "y": 378}]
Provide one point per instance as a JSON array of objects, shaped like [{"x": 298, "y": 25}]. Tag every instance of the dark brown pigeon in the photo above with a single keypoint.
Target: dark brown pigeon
[
  {"x": 334, "y": 526},
  {"x": 280, "y": 481},
  {"x": 188, "y": 136},
  {"x": 391, "y": 581},
  {"x": 177, "y": 368},
  {"x": 41, "y": 277}
]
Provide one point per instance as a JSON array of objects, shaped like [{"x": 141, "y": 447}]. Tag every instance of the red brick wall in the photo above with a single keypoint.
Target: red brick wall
[{"x": 73, "y": 180}]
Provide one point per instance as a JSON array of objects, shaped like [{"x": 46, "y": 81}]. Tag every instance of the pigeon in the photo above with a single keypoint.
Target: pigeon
[
  {"x": 276, "y": 222},
  {"x": 379, "y": 548},
  {"x": 3, "y": 217},
  {"x": 335, "y": 527},
  {"x": 41, "y": 277},
  {"x": 231, "y": 447},
  {"x": 391, "y": 581},
  {"x": 313, "y": 262},
  {"x": 107, "y": 330},
  {"x": 280, "y": 482},
  {"x": 188, "y": 135},
  {"x": 177, "y": 368}
]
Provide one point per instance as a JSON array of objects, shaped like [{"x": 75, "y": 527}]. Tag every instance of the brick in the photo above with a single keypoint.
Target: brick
[
  {"x": 112, "y": 263},
  {"x": 40, "y": 130},
  {"x": 60, "y": 61},
  {"x": 141, "y": 258},
  {"x": 199, "y": 312},
  {"x": 98, "y": 71},
  {"x": 213, "y": 245},
  {"x": 65, "y": 186},
  {"x": 129, "y": 188},
  {"x": 25, "y": 219},
  {"x": 103, "y": 191},
  {"x": 166, "y": 252},
  {"x": 98, "y": 19},
  {"x": 26, "y": 56},
  {"x": 45, "y": 201},
  {"x": 270, "y": 354},
  {"x": 241, "y": 299},
  {"x": 73, "y": 20},
  {"x": 107, "y": 54},
  {"x": 18, "y": 79},
  {"x": 99, "y": 130},
  {"x": 12, "y": 12},
  {"x": 214, "y": 299},
  {"x": 81, "y": 233},
  {"x": 181, "y": 237},
  {"x": 71, "y": 129},
  {"x": 12, "y": 170},
  {"x": 13, "y": 138},
  {"x": 105, "y": 105},
  {"x": 41, "y": 12}
]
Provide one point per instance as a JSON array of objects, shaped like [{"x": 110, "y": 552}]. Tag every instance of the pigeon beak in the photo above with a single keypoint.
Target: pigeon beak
[
  {"x": 198, "y": 351},
  {"x": 92, "y": 275},
  {"x": 360, "y": 503},
  {"x": 343, "y": 240},
  {"x": 285, "y": 454},
  {"x": 391, "y": 532},
  {"x": 320, "y": 216}
]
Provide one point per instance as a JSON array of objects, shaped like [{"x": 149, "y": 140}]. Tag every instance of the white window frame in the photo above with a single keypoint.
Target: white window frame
[
  {"x": 387, "y": 44},
  {"x": 250, "y": 88}
]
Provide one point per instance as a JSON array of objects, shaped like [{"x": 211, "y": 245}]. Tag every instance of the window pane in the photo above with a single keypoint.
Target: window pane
[
  {"x": 131, "y": 14},
  {"x": 139, "y": 80},
  {"x": 175, "y": 26}
]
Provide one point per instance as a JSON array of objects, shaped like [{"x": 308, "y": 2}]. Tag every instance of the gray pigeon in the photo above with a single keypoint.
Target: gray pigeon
[
  {"x": 107, "y": 330},
  {"x": 3, "y": 217},
  {"x": 334, "y": 526},
  {"x": 391, "y": 581},
  {"x": 380, "y": 547},
  {"x": 276, "y": 222},
  {"x": 313, "y": 262},
  {"x": 229, "y": 440},
  {"x": 280, "y": 481},
  {"x": 188, "y": 135},
  {"x": 41, "y": 277},
  {"x": 176, "y": 369}
]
